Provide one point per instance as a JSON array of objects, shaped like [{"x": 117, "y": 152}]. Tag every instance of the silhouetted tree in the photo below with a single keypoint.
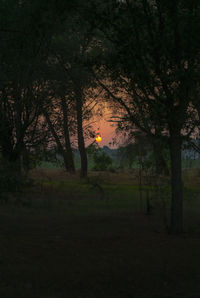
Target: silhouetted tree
[{"x": 153, "y": 50}]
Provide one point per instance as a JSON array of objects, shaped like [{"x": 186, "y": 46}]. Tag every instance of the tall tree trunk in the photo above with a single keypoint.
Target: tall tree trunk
[
  {"x": 81, "y": 143},
  {"x": 67, "y": 138},
  {"x": 176, "y": 224},
  {"x": 6, "y": 147},
  {"x": 161, "y": 165},
  {"x": 57, "y": 140},
  {"x": 16, "y": 157},
  {"x": 158, "y": 149}
]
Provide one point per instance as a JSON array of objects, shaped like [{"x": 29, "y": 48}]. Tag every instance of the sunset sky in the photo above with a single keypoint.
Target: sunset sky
[
  {"x": 107, "y": 132},
  {"x": 105, "y": 128}
]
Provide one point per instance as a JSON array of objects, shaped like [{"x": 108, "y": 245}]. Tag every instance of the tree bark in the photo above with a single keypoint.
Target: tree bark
[
  {"x": 67, "y": 138},
  {"x": 176, "y": 223},
  {"x": 81, "y": 143},
  {"x": 59, "y": 145},
  {"x": 160, "y": 163}
]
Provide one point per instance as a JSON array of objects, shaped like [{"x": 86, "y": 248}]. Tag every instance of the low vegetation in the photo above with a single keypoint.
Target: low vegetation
[{"x": 98, "y": 237}]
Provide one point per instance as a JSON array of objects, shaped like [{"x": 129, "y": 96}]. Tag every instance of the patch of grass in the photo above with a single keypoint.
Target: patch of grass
[
  {"x": 72, "y": 242},
  {"x": 191, "y": 163},
  {"x": 48, "y": 165}
]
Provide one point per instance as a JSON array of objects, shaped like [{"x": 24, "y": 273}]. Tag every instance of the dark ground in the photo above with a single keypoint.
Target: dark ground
[{"x": 50, "y": 253}]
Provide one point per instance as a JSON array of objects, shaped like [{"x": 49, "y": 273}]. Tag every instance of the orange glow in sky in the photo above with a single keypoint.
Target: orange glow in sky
[
  {"x": 105, "y": 132},
  {"x": 98, "y": 138}
]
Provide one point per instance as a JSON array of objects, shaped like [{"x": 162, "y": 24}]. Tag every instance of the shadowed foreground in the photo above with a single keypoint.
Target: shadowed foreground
[{"x": 54, "y": 253}]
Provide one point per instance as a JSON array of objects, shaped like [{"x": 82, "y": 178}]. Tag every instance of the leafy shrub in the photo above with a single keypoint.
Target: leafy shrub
[
  {"x": 10, "y": 178},
  {"x": 112, "y": 170},
  {"x": 102, "y": 161}
]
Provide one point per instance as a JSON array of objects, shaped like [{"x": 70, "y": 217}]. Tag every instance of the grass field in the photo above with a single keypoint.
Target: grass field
[{"x": 70, "y": 238}]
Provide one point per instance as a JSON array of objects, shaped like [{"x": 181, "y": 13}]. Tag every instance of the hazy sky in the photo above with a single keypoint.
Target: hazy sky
[
  {"x": 102, "y": 126},
  {"x": 107, "y": 132}
]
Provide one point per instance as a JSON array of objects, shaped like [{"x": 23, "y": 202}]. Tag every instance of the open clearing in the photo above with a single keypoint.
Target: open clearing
[{"x": 71, "y": 241}]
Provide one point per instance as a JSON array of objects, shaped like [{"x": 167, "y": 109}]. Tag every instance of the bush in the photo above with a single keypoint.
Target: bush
[
  {"x": 10, "y": 178},
  {"x": 112, "y": 170},
  {"x": 102, "y": 161}
]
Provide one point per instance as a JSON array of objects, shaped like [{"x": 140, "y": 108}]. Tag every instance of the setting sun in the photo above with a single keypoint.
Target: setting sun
[{"x": 98, "y": 138}]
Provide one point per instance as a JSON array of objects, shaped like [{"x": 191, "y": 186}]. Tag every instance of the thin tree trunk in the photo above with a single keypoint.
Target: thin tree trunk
[
  {"x": 161, "y": 165},
  {"x": 67, "y": 138},
  {"x": 140, "y": 181},
  {"x": 81, "y": 143},
  {"x": 176, "y": 224},
  {"x": 6, "y": 147},
  {"x": 59, "y": 145}
]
